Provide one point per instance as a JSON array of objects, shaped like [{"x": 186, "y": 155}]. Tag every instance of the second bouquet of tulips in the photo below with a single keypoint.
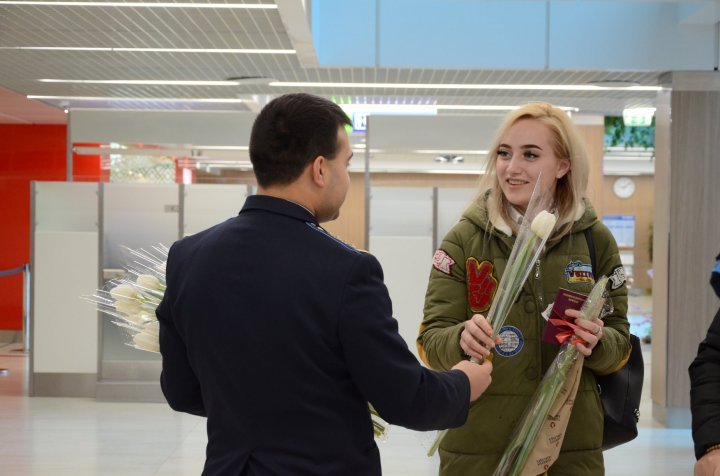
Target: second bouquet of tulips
[{"x": 550, "y": 406}]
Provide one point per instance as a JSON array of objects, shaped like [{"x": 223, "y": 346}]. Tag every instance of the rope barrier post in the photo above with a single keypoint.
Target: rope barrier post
[
  {"x": 26, "y": 308},
  {"x": 25, "y": 269}
]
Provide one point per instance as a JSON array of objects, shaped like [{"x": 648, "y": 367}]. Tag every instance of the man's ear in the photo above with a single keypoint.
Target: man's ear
[{"x": 318, "y": 171}]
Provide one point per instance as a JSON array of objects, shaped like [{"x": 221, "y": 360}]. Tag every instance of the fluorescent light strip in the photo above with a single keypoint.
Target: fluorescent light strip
[
  {"x": 446, "y": 151},
  {"x": 233, "y": 6},
  {"x": 465, "y": 107},
  {"x": 221, "y": 147},
  {"x": 154, "y": 50},
  {"x": 126, "y": 99},
  {"x": 408, "y": 109},
  {"x": 528, "y": 87},
  {"x": 369, "y": 109},
  {"x": 143, "y": 82}
]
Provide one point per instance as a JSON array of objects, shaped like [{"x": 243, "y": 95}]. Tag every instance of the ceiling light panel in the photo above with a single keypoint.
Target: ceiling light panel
[
  {"x": 141, "y": 28},
  {"x": 196, "y": 44},
  {"x": 110, "y": 4}
]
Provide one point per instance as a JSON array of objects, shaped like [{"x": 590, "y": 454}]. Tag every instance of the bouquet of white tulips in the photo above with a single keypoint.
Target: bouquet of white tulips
[
  {"x": 551, "y": 403},
  {"x": 132, "y": 299}
]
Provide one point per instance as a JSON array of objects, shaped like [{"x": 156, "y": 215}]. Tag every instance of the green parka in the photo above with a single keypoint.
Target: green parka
[{"x": 466, "y": 271}]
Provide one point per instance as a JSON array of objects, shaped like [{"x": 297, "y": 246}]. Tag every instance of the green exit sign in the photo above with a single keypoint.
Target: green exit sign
[{"x": 638, "y": 117}]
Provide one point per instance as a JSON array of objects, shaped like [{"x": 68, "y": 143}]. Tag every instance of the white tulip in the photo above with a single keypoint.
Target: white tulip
[
  {"x": 145, "y": 341},
  {"x": 148, "y": 281},
  {"x": 161, "y": 267},
  {"x": 135, "y": 319},
  {"x": 543, "y": 224},
  {"x": 123, "y": 292},
  {"x": 152, "y": 329},
  {"x": 128, "y": 307},
  {"x": 146, "y": 316}
]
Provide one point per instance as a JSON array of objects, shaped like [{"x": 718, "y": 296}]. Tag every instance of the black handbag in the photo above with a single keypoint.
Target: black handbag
[
  {"x": 620, "y": 391},
  {"x": 620, "y": 396}
]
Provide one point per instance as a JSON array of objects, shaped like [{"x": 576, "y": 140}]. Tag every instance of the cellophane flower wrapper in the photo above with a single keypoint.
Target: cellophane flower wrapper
[
  {"x": 130, "y": 302},
  {"x": 526, "y": 432},
  {"x": 536, "y": 227}
]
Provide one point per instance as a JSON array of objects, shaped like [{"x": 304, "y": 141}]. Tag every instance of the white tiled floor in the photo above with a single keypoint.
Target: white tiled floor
[{"x": 82, "y": 437}]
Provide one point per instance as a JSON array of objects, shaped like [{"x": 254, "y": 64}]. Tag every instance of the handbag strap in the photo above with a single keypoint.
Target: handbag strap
[{"x": 591, "y": 248}]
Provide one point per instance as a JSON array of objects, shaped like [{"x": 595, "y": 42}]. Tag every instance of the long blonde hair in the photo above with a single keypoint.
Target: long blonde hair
[{"x": 566, "y": 144}]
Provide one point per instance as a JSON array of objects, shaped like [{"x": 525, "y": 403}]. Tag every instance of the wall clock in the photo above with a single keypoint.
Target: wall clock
[{"x": 624, "y": 187}]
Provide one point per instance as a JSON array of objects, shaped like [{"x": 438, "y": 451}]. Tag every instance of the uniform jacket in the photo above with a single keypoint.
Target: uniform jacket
[
  {"x": 466, "y": 271},
  {"x": 280, "y": 334},
  {"x": 705, "y": 391}
]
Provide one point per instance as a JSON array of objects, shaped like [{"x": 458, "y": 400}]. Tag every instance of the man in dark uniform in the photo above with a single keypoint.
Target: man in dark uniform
[
  {"x": 705, "y": 394},
  {"x": 281, "y": 334}
]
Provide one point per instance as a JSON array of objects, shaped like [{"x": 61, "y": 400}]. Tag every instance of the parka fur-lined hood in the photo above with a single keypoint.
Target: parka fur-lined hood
[{"x": 477, "y": 213}]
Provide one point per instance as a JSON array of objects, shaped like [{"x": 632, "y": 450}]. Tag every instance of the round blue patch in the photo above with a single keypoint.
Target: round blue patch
[{"x": 511, "y": 341}]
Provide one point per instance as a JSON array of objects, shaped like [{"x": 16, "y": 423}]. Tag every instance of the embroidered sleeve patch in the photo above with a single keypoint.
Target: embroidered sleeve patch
[
  {"x": 481, "y": 284},
  {"x": 443, "y": 262},
  {"x": 617, "y": 278}
]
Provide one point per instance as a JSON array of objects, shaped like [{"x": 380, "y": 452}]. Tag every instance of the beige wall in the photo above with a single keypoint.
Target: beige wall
[
  {"x": 641, "y": 205},
  {"x": 593, "y": 136}
]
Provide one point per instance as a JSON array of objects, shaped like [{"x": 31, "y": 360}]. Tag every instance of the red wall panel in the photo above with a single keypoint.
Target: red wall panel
[{"x": 29, "y": 152}]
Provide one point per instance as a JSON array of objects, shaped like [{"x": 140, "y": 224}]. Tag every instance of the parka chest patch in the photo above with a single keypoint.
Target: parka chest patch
[
  {"x": 578, "y": 272},
  {"x": 443, "y": 262},
  {"x": 511, "y": 341},
  {"x": 481, "y": 284}
]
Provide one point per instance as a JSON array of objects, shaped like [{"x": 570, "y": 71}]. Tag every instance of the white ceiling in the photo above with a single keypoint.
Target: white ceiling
[{"x": 24, "y": 26}]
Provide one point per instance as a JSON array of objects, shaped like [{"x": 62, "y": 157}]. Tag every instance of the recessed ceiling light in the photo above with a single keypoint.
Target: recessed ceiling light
[
  {"x": 518, "y": 87},
  {"x": 233, "y": 6},
  {"x": 128, "y": 99},
  {"x": 243, "y": 51},
  {"x": 250, "y": 80},
  {"x": 142, "y": 81},
  {"x": 614, "y": 83},
  {"x": 481, "y": 107}
]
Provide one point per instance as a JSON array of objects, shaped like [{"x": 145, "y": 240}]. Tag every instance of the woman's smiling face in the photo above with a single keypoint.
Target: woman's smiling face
[{"x": 524, "y": 154}]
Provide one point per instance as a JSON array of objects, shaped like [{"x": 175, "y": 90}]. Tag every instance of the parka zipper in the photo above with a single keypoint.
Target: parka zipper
[{"x": 538, "y": 285}]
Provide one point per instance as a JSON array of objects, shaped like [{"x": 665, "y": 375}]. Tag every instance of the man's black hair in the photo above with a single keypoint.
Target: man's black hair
[{"x": 290, "y": 132}]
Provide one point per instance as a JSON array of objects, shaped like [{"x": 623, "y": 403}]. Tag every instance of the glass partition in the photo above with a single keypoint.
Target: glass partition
[
  {"x": 452, "y": 202},
  {"x": 135, "y": 216}
]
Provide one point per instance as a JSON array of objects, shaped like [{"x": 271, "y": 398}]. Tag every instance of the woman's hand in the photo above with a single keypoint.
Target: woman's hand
[
  {"x": 476, "y": 339},
  {"x": 591, "y": 331}
]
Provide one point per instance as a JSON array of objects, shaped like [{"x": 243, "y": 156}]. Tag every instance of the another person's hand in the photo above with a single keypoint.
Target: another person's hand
[
  {"x": 476, "y": 338},
  {"x": 591, "y": 331},
  {"x": 478, "y": 374},
  {"x": 708, "y": 465}
]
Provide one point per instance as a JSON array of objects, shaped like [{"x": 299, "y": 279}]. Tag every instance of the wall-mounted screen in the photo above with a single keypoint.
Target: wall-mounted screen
[{"x": 622, "y": 227}]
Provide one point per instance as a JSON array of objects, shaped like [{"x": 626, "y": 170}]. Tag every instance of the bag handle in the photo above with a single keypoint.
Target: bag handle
[{"x": 591, "y": 248}]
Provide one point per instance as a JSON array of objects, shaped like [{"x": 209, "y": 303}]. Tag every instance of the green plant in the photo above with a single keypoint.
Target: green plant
[{"x": 618, "y": 134}]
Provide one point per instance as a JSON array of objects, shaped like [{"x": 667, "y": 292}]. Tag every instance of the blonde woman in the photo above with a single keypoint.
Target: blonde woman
[{"x": 537, "y": 141}]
